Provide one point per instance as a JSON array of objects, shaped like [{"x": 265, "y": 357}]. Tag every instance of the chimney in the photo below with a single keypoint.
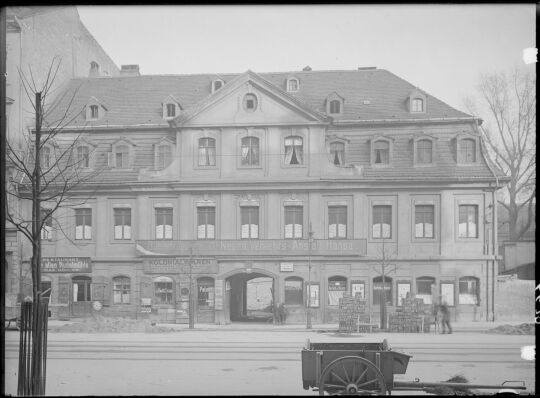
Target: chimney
[
  {"x": 367, "y": 67},
  {"x": 307, "y": 68},
  {"x": 130, "y": 70},
  {"x": 94, "y": 69}
]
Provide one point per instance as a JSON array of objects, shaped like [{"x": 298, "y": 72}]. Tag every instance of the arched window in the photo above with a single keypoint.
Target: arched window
[
  {"x": 378, "y": 287},
  {"x": 425, "y": 288},
  {"x": 163, "y": 290},
  {"x": 294, "y": 150},
  {"x": 250, "y": 102},
  {"x": 467, "y": 150},
  {"x": 381, "y": 152},
  {"x": 205, "y": 293},
  {"x": 164, "y": 156},
  {"x": 121, "y": 290},
  {"x": 294, "y": 290},
  {"x": 250, "y": 151},
  {"x": 424, "y": 151},
  {"x": 292, "y": 85},
  {"x": 469, "y": 290},
  {"x": 83, "y": 156},
  {"x": 45, "y": 157},
  {"x": 335, "y": 107},
  {"x": 337, "y": 285},
  {"x": 417, "y": 105},
  {"x": 337, "y": 153},
  {"x": 207, "y": 151},
  {"x": 82, "y": 288}
]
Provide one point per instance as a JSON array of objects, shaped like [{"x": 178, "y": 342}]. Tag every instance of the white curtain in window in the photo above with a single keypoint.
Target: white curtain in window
[
  {"x": 386, "y": 230},
  {"x": 245, "y": 152},
  {"x": 117, "y": 296},
  {"x": 334, "y": 296},
  {"x": 254, "y": 231},
  {"x": 472, "y": 229},
  {"x": 288, "y": 150},
  {"x": 168, "y": 231},
  {"x": 88, "y": 232},
  {"x": 79, "y": 232},
  {"x": 297, "y": 231},
  {"x": 332, "y": 230},
  {"x": 377, "y": 230},
  {"x": 210, "y": 229},
  {"x": 75, "y": 292},
  {"x": 342, "y": 230},
  {"x": 428, "y": 230},
  {"x": 202, "y": 157},
  {"x": 201, "y": 231},
  {"x": 117, "y": 232},
  {"x": 288, "y": 230},
  {"x": 462, "y": 229},
  {"x": 127, "y": 232},
  {"x": 245, "y": 231},
  {"x": 211, "y": 156},
  {"x": 159, "y": 232}
]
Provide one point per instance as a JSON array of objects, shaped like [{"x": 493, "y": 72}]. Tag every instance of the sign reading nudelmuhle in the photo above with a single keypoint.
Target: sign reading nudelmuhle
[
  {"x": 177, "y": 265},
  {"x": 66, "y": 264}
]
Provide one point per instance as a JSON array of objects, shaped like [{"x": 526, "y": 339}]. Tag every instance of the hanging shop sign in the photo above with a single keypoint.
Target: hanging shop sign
[
  {"x": 66, "y": 264},
  {"x": 175, "y": 265}
]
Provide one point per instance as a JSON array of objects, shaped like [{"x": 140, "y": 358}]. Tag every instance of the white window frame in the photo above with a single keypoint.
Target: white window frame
[
  {"x": 86, "y": 234},
  {"x": 126, "y": 234},
  {"x": 372, "y": 150},
  {"x": 289, "y": 88}
]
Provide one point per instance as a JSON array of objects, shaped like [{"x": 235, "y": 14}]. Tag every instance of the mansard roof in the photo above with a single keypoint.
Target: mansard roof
[{"x": 373, "y": 94}]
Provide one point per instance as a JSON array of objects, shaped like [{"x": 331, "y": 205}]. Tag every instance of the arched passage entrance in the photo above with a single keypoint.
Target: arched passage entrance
[{"x": 250, "y": 296}]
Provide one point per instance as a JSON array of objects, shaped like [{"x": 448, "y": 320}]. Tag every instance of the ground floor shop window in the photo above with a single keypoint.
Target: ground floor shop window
[
  {"x": 424, "y": 288},
  {"x": 447, "y": 293},
  {"x": 121, "y": 289},
  {"x": 163, "y": 290},
  {"x": 205, "y": 293},
  {"x": 314, "y": 295},
  {"x": 294, "y": 286},
  {"x": 403, "y": 291},
  {"x": 378, "y": 288},
  {"x": 468, "y": 290},
  {"x": 358, "y": 288},
  {"x": 337, "y": 285},
  {"x": 82, "y": 289},
  {"x": 46, "y": 285}
]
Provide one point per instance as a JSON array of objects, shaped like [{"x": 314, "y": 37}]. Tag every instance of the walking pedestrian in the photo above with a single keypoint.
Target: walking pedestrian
[{"x": 445, "y": 312}]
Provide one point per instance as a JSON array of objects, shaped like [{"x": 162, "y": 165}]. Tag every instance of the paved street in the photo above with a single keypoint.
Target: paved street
[{"x": 254, "y": 362}]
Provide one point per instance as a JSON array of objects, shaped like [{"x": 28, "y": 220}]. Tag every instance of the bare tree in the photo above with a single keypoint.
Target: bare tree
[
  {"x": 508, "y": 103},
  {"x": 46, "y": 168}
]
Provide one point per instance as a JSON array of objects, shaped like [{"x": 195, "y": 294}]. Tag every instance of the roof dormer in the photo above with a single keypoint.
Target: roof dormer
[
  {"x": 95, "y": 110},
  {"x": 217, "y": 84},
  {"x": 293, "y": 85},
  {"x": 171, "y": 107},
  {"x": 416, "y": 101},
  {"x": 334, "y": 104}
]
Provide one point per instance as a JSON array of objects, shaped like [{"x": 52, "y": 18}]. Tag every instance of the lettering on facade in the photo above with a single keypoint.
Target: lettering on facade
[
  {"x": 180, "y": 266},
  {"x": 66, "y": 264},
  {"x": 286, "y": 267}
]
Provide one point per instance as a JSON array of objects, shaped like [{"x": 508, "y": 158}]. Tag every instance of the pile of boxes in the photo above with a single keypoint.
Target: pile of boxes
[
  {"x": 353, "y": 311},
  {"x": 412, "y": 317}
]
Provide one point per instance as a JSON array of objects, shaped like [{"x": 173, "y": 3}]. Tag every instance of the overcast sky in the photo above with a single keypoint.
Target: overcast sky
[{"x": 440, "y": 48}]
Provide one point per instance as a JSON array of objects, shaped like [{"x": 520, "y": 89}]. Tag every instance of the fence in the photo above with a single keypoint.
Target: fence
[{"x": 33, "y": 348}]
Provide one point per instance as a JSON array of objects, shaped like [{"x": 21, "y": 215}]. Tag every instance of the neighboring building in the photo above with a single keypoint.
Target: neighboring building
[
  {"x": 219, "y": 179},
  {"x": 35, "y": 36}
]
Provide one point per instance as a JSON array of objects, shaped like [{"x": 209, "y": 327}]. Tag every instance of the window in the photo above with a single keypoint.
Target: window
[
  {"x": 294, "y": 290},
  {"x": 122, "y": 224},
  {"x": 250, "y": 102},
  {"x": 46, "y": 285},
  {"x": 469, "y": 290},
  {"x": 292, "y": 85},
  {"x": 45, "y": 157},
  {"x": 358, "y": 289},
  {"x": 83, "y": 156},
  {"x": 337, "y": 153},
  {"x": 467, "y": 150},
  {"x": 164, "y": 222},
  {"x": 46, "y": 230},
  {"x": 424, "y": 216},
  {"x": 337, "y": 285},
  {"x": 121, "y": 289},
  {"x": 250, "y": 222},
  {"x": 171, "y": 110},
  {"x": 403, "y": 292},
  {"x": 424, "y": 152},
  {"x": 294, "y": 221},
  {"x": 294, "y": 150},
  {"x": 382, "y": 221},
  {"x": 164, "y": 156},
  {"x": 163, "y": 290},
  {"x": 207, "y": 151},
  {"x": 335, "y": 107},
  {"x": 94, "y": 111},
  {"x": 381, "y": 152},
  {"x": 468, "y": 221},
  {"x": 425, "y": 288},
  {"x": 82, "y": 288},
  {"x": 205, "y": 293},
  {"x": 378, "y": 289},
  {"x": 206, "y": 222},
  {"x": 83, "y": 224},
  {"x": 122, "y": 156},
  {"x": 337, "y": 222},
  {"x": 250, "y": 151},
  {"x": 417, "y": 105}
]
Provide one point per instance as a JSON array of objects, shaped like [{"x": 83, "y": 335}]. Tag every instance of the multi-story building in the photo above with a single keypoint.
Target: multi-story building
[
  {"x": 311, "y": 178},
  {"x": 40, "y": 42}
]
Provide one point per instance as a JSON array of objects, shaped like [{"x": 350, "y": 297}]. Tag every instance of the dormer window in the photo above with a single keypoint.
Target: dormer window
[
  {"x": 335, "y": 107},
  {"x": 171, "y": 110},
  {"x": 217, "y": 84},
  {"x": 417, "y": 101},
  {"x": 94, "y": 111},
  {"x": 250, "y": 102},
  {"x": 293, "y": 85},
  {"x": 334, "y": 104},
  {"x": 122, "y": 155},
  {"x": 417, "y": 105}
]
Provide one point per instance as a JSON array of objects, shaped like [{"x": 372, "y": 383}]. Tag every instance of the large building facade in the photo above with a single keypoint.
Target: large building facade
[{"x": 315, "y": 183}]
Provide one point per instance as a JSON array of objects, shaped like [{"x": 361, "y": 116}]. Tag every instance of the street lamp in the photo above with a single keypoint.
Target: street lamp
[{"x": 308, "y": 317}]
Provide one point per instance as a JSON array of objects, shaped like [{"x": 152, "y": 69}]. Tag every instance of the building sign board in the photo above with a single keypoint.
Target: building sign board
[
  {"x": 286, "y": 267},
  {"x": 66, "y": 264},
  {"x": 175, "y": 265}
]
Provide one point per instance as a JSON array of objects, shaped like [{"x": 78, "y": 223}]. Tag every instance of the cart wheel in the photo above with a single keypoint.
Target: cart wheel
[{"x": 352, "y": 375}]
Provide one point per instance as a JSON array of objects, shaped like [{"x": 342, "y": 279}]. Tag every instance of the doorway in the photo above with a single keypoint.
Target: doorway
[
  {"x": 82, "y": 295},
  {"x": 251, "y": 297}
]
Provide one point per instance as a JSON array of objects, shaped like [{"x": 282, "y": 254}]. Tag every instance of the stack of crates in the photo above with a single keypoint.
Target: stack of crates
[
  {"x": 410, "y": 318},
  {"x": 351, "y": 311}
]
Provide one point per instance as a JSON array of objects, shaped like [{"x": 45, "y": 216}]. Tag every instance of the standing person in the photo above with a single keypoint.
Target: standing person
[{"x": 445, "y": 312}]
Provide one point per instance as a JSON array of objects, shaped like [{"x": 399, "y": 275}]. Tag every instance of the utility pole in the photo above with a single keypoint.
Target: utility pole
[
  {"x": 308, "y": 315},
  {"x": 191, "y": 306}
]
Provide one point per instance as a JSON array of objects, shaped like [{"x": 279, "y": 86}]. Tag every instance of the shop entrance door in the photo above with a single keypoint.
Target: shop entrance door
[
  {"x": 251, "y": 297},
  {"x": 82, "y": 296}
]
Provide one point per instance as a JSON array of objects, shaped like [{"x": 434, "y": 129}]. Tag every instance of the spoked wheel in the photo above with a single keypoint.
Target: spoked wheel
[{"x": 352, "y": 375}]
